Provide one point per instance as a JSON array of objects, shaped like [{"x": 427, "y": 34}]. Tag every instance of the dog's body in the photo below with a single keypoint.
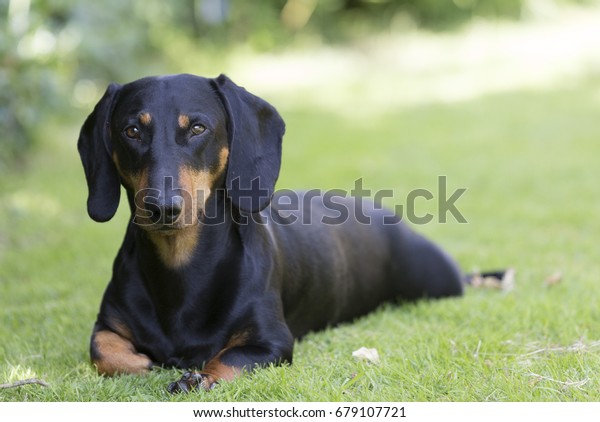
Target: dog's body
[{"x": 214, "y": 272}]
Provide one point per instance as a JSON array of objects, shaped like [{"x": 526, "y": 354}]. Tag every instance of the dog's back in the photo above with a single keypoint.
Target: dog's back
[{"x": 342, "y": 257}]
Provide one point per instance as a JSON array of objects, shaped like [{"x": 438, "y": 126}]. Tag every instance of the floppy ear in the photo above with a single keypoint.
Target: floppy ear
[
  {"x": 104, "y": 189},
  {"x": 255, "y": 133}
]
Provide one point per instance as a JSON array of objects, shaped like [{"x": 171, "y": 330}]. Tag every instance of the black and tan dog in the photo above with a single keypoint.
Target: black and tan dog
[{"x": 215, "y": 272}]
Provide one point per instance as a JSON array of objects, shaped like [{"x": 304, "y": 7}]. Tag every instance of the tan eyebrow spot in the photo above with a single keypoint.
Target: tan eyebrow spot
[
  {"x": 145, "y": 118},
  {"x": 223, "y": 155},
  {"x": 184, "y": 121}
]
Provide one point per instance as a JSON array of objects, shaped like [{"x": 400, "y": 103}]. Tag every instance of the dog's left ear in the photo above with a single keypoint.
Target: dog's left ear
[
  {"x": 255, "y": 133},
  {"x": 104, "y": 188}
]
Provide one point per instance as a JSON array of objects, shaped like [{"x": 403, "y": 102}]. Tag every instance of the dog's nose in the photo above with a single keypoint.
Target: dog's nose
[
  {"x": 172, "y": 211},
  {"x": 167, "y": 212}
]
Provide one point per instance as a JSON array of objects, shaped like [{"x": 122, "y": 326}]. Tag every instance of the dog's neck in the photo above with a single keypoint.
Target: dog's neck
[
  {"x": 193, "y": 255},
  {"x": 177, "y": 249}
]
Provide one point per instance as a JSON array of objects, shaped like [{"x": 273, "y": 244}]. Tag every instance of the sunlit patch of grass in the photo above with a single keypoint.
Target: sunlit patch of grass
[
  {"x": 12, "y": 373},
  {"x": 409, "y": 69}
]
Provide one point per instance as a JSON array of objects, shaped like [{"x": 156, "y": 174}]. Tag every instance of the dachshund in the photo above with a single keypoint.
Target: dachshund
[{"x": 218, "y": 274}]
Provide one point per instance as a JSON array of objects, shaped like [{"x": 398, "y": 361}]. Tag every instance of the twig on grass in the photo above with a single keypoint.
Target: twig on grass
[
  {"x": 576, "y": 347},
  {"x": 476, "y": 354},
  {"x": 564, "y": 384},
  {"x": 25, "y": 382}
]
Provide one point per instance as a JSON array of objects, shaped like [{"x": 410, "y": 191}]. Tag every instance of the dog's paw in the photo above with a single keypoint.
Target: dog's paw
[{"x": 192, "y": 381}]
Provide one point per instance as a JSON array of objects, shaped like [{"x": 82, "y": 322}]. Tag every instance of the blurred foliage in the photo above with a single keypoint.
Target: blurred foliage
[
  {"x": 25, "y": 78},
  {"x": 58, "y": 53}
]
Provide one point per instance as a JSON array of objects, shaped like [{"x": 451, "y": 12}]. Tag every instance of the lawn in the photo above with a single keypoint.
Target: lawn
[{"x": 528, "y": 158}]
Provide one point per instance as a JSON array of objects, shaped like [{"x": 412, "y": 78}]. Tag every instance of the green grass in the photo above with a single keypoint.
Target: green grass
[{"x": 530, "y": 163}]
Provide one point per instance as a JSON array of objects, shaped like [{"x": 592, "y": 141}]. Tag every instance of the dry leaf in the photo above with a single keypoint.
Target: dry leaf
[
  {"x": 364, "y": 353},
  {"x": 553, "y": 278}
]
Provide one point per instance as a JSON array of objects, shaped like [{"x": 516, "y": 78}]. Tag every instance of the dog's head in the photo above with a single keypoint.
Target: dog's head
[{"x": 172, "y": 142}]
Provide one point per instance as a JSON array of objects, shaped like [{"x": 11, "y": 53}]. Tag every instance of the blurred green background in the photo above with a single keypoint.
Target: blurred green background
[
  {"x": 56, "y": 56},
  {"x": 500, "y": 96}
]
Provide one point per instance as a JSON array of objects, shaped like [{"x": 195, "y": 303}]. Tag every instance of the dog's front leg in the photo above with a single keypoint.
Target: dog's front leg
[
  {"x": 114, "y": 354},
  {"x": 239, "y": 355},
  {"x": 207, "y": 379}
]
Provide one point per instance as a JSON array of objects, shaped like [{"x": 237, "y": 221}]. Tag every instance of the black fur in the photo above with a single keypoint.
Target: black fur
[{"x": 257, "y": 276}]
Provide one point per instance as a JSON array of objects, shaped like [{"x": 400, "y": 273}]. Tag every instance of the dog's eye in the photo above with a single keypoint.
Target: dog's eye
[
  {"x": 132, "y": 132},
  {"x": 198, "y": 129}
]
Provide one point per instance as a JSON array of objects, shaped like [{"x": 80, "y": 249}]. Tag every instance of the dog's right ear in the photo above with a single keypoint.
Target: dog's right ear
[
  {"x": 94, "y": 146},
  {"x": 255, "y": 132}
]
